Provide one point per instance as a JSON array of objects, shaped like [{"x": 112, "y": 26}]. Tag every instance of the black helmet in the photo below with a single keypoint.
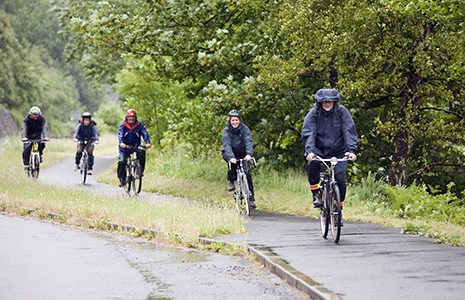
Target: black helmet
[
  {"x": 86, "y": 115},
  {"x": 234, "y": 113},
  {"x": 327, "y": 95}
]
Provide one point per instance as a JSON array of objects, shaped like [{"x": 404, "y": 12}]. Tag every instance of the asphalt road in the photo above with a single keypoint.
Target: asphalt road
[
  {"x": 370, "y": 261},
  {"x": 42, "y": 260}
]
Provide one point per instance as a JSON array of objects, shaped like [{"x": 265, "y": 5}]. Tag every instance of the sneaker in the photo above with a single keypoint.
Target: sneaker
[
  {"x": 252, "y": 204},
  {"x": 231, "y": 186},
  {"x": 122, "y": 182},
  {"x": 317, "y": 199},
  {"x": 89, "y": 172},
  {"x": 76, "y": 167},
  {"x": 27, "y": 168}
]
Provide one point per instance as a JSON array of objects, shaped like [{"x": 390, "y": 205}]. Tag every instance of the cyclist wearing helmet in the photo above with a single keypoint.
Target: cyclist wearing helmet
[
  {"x": 238, "y": 144},
  {"x": 130, "y": 133},
  {"x": 35, "y": 128},
  {"x": 328, "y": 131},
  {"x": 86, "y": 131}
]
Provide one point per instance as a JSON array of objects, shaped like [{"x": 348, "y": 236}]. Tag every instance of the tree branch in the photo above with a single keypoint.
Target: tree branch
[{"x": 462, "y": 117}]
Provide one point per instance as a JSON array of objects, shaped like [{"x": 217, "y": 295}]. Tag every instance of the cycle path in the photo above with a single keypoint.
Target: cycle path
[{"x": 370, "y": 262}]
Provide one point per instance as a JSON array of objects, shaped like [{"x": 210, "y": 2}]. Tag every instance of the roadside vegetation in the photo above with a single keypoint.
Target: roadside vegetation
[
  {"x": 413, "y": 209},
  {"x": 179, "y": 223}
]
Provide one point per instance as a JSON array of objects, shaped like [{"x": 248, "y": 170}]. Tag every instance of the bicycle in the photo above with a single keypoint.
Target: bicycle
[
  {"x": 242, "y": 193},
  {"x": 34, "y": 158},
  {"x": 84, "y": 165},
  {"x": 134, "y": 171},
  {"x": 331, "y": 211}
]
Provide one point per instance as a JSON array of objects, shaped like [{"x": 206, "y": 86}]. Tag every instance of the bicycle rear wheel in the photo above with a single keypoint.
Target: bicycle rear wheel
[
  {"x": 84, "y": 168},
  {"x": 246, "y": 194},
  {"x": 324, "y": 214},
  {"x": 336, "y": 214},
  {"x": 137, "y": 178}
]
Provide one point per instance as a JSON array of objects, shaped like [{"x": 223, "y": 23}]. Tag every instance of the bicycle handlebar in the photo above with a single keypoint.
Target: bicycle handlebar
[
  {"x": 242, "y": 160},
  {"x": 140, "y": 147},
  {"x": 36, "y": 141}
]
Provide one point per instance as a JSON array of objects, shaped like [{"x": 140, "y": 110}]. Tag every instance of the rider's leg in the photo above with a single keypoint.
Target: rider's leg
[
  {"x": 90, "y": 152},
  {"x": 121, "y": 171},
  {"x": 313, "y": 176},
  {"x": 41, "y": 150},
  {"x": 341, "y": 179},
  {"x": 232, "y": 176},
  {"x": 79, "y": 149},
  {"x": 27, "y": 147},
  {"x": 141, "y": 157}
]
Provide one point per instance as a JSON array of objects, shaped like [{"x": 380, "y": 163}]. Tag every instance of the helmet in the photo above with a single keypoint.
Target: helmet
[
  {"x": 35, "y": 110},
  {"x": 327, "y": 95},
  {"x": 86, "y": 115},
  {"x": 131, "y": 113},
  {"x": 234, "y": 113}
]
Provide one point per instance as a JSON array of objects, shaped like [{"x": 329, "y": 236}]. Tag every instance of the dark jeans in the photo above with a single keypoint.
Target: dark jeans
[
  {"x": 313, "y": 175},
  {"x": 123, "y": 158},
  {"x": 27, "y": 148},
  {"x": 90, "y": 151},
  {"x": 232, "y": 175}
]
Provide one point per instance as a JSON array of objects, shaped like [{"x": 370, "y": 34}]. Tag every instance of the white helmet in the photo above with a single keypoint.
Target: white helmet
[{"x": 35, "y": 110}]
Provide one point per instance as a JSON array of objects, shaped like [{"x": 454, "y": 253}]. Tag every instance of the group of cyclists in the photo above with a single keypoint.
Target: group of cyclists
[{"x": 328, "y": 131}]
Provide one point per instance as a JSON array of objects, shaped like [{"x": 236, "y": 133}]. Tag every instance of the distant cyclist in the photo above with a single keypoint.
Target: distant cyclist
[
  {"x": 130, "y": 133},
  {"x": 35, "y": 128},
  {"x": 238, "y": 144},
  {"x": 328, "y": 131},
  {"x": 86, "y": 131}
]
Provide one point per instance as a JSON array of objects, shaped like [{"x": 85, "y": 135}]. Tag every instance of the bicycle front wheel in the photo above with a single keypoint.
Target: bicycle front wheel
[
  {"x": 336, "y": 214},
  {"x": 137, "y": 178},
  {"x": 84, "y": 168},
  {"x": 35, "y": 166},
  {"x": 324, "y": 213},
  {"x": 238, "y": 196},
  {"x": 129, "y": 179},
  {"x": 246, "y": 194}
]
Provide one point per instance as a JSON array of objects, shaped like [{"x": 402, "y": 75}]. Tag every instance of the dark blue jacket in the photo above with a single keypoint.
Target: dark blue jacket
[
  {"x": 329, "y": 133},
  {"x": 237, "y": 142},
  {"x": 131, "y": 135},
  {"x": 86, "y": 133}
]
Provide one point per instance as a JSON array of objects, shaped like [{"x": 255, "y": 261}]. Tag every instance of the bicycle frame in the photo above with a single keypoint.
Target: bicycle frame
[
  {"x": 84, "y": 160},
  {"x": 133, "y": 170},
  {"x": 242, "y": 192},
  {"x": 34, "y": 157}
]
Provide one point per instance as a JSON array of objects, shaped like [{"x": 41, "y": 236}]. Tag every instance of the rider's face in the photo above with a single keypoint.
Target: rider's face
[
  {"x": 34, "y": 116},
  {"x": 131, "y": 119},
  {"x": 235, "y": 122},
  {"x": 327, "y": 105},
  {"x": 86, "y": 121}
]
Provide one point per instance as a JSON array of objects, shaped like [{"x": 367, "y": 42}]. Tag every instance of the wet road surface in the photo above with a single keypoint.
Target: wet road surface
[
  {"x": 42, "y": 260},
  {"x": 370, "y": 262}
]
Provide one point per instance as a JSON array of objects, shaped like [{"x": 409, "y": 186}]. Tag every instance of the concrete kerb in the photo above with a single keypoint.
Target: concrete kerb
[{"x": 261, "y": 254}]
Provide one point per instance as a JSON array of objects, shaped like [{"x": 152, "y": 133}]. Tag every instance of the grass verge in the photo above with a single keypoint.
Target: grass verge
[{"x": 85, "y": 209}]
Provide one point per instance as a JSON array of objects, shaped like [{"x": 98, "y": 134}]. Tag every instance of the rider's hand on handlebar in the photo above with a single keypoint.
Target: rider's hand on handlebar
[
  {"x": 122, "y": 145},
  {"x": 351, "y": 156},
  {"x": 96, "y": 142},
  {"x": 233, "y": 161},
  {"x": 247, "y": 157},
  {"x": 148, "y": 145},
  {"x": 75, "y": 140},
  {"x": 46, "y": 138},
  {"x": 24, "y": 139},
  {"x": 311, "y": 156}
]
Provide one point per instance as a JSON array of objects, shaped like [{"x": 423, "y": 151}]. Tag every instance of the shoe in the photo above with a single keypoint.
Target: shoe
[
  {"x": 252, "y": 204},
  {"x": 76, "y": 167},
  {"x": 317, "y": 200},
  {"x": 89, "y": 172},
  {"x": 122, "y": 182},
  {"x": 231, "y": 186},
  {"x": 27, "y": 168},
  {"x": 41, "y": 159}
]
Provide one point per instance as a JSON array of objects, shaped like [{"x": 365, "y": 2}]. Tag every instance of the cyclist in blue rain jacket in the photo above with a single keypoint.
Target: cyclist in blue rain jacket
[
  {"x": 130, "y": 133},
  {"x": 328, "y": 131},
  {"x": 238, "y": 144},
  {"x": 86, "y": 131}
]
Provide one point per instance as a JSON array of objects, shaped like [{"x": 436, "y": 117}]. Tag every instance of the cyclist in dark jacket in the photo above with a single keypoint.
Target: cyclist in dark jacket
[
  {"x": 238, "y": 144},
  {"x": 130, "y": 134},
  {"x": 86, "y": 131},
  {"x": 35, "y": 128},
  {"x": 328, "y": 131}
]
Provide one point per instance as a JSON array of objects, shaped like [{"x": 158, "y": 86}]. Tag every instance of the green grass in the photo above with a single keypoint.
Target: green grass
[
  {"x": 89, "y": 210},
  {"x": 412, "y": 209}
]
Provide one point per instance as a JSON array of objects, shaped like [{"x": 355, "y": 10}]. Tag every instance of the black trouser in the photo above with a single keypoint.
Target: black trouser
[
  {"x": 90, "y": 151},
  {"x": 123, "y": 158},
  {"x": 232, "y": 175},
  {"x": 313, "y": 175},
  {"x": 27, "y": 148}
]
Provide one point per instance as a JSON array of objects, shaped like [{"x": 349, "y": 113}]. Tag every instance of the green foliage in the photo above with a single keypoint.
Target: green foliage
[{"x": 109, "y": 116}]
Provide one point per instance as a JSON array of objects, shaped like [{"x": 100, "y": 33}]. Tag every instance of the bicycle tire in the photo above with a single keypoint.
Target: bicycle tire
[
  {"x": 35, "y": 166},
  {"x": 84, "y": 168},
  {"x": 137, "y": 177},
  {"x": 324, "y": 219},
  {"x": 238, "y": 196},
  {"x": 336, "y": 214},
  {"x": 246, "y": 194},
  {"x": 128, "y": 178}
]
